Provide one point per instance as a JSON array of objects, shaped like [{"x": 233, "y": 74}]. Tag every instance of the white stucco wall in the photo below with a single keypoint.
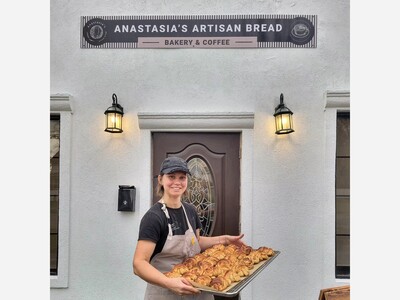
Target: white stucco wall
[{"x": 287, "y": 196}]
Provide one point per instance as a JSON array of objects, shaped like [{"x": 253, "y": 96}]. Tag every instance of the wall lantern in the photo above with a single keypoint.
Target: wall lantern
[
  {"x": 114, "y": 116},
  {"x": 283, "y": 118}
]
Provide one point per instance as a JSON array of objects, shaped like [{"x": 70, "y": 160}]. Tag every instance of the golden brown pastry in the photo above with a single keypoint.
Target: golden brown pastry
[
  {"x": 199, "y": 257},
  {"x": 241, "y": 270},
  {"x": 227, "y": 278},
  {"x": 263, "y": 253},
  {"x": 223, "y": 263},
  {"x": 220, "y": 247},
  {"x": 196, "y": 270},
  {"x": 190, "y": 275},
  {"x": 245, "y": 249},
  {"x": 234, "y": 277},
  {"x": 208, "y": 272},
  {"x": 205, "y": 264},
  {"x": 241, "y": 255},
  {"x": 246, "y": 261},
  {"x": 180, "y": 268},
  {"x": 232, "y": 258},
  {"x": 172, "y": 274},
  {"x": 266, "y": 250},
  {"x": 219, "y": 283},
  {"x": 231, "y": 248},
  {"x": 203, "y": 280},
  {"x": 211, "y": 259},
  {"x": 219, "y": 254},
  {"x": 190, "y": 262},
  {"x": 218, "y": 270},
  {"x": 270, "y": 252},
  {"x": 255, "y": 256},
  {"x": 209, "y": 251},
  {"x": 220, "y": 266}
]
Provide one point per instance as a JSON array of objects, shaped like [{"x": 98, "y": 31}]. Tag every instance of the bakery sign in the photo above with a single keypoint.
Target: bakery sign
[{"x": 206, "y": 31}]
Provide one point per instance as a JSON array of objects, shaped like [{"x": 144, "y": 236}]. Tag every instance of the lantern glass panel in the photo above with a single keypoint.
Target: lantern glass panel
[
  {"x": 114, "y": 122},
  {"x": 284, "y": 123}
]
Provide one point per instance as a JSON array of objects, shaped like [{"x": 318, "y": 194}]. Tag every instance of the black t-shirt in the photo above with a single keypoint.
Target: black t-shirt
[{"x": 154, "y": 226}]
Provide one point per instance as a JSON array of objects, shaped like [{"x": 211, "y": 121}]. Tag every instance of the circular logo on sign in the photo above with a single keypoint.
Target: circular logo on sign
[
  {"x": 301, "y": 31},
  {"x": 95, "y": 32}
]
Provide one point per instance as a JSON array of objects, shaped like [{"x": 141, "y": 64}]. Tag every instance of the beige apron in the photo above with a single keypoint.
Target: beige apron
[{"x": 176, "y": 249}]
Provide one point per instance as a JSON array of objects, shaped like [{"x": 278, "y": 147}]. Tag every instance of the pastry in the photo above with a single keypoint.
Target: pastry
[
  {"x": 190, "y": 275},
  {"x": 205, "y": 264},
  {"x": 190, "y": 262},
  {"x": 203, "y": 280},
  {"x": 246, "y": 261},
  {"x": 219, "y": 270},
  {"x": 219, "y": 254},
  {"x": 220, "y": 266},
  {"x": 241, "y": 270},
  {"x": 208, "y": 272},
  {"x": 199, "y": 257},
  {"x": 172, "y": 274},
  {"x": 211, "y": 259},
  {"x": 234, "y": 277},
  {"x": 180, "y": 268},
  {"x": 231, "y": 248},
  {"x": 255, "y": 256},
  {"x": 219, "y": 283}
]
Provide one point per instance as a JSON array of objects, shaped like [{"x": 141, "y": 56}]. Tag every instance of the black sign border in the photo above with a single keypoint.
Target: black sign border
[{"x": 94, "y": 32}]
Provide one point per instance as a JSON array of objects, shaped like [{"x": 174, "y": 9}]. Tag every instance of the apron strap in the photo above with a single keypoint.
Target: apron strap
[
  {"x": 165, "y": 210},
  {"x": 187, "y": 220}
]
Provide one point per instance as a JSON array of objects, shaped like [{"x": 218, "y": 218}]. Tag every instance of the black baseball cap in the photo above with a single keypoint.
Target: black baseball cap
[{"x": 174, "y": 164}]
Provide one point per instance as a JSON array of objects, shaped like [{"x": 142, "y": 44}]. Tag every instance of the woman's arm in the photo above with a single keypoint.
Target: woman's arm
[
  {"x": 143, "y": 269},
  {"x": 208, "y": 241}
]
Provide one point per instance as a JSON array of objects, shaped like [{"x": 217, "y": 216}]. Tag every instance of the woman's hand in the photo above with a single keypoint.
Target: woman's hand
[
  {"x": 181, "y": 286},
  {"x": 209, "y": 241},
  {"x": 235, "y": 239}
]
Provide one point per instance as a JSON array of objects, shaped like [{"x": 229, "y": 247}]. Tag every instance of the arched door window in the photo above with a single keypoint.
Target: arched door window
[{"x": 201, "y": 193}]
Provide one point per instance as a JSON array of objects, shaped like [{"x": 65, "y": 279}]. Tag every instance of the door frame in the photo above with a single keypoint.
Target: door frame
[{"x": 221, "y": 153}]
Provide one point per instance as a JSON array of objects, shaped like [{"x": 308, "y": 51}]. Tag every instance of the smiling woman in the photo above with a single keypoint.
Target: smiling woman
[
  {"x": 169, "y": 233},
  {"x": 174, "y": 184},
  {"x": 173, "y": 167}
]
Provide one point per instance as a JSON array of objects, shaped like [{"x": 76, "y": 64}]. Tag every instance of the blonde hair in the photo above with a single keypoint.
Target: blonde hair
[{"x": 159, "y": 189}]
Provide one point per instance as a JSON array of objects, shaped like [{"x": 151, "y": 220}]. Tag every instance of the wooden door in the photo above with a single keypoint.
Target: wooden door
[{"x": 214, "y": 187}]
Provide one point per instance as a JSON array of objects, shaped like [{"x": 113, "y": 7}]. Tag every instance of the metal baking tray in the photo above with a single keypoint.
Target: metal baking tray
[{"x": 238, "y": 286}]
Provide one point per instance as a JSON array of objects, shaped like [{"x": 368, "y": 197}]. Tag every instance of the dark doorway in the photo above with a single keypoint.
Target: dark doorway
[{"x": 214, "y": 187}]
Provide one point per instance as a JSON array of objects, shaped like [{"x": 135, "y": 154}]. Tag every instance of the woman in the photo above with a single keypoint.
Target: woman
[{"x": 169, "y": 233}]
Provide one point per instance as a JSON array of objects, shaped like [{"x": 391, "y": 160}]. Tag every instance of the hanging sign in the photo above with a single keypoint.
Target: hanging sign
[{"x": 208, "y": 31}]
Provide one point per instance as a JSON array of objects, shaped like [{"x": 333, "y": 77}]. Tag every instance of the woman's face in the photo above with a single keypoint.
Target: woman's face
[{"x": 174, "y": 184}]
